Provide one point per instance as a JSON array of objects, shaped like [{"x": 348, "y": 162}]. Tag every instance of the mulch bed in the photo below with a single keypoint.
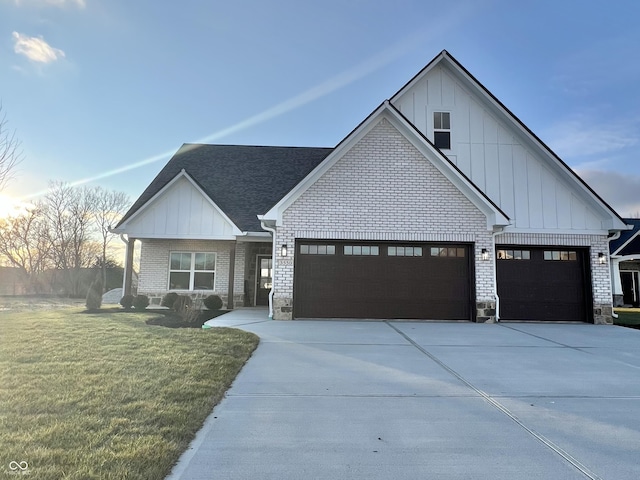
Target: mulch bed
[
  {"x": 171, "y": 319},
  {"x": 166, "y": 318}
]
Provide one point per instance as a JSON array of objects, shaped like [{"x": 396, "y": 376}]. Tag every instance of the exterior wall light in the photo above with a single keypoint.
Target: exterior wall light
[
  {"x": 602, "y": 259},
  {"x": 283, "y": 250},
  {"x": 485, "y": 254}
]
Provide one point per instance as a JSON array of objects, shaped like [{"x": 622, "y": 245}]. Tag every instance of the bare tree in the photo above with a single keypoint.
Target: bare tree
[
  {"x": 108, "y": 208},
  {"x": 69, "y": 214},
  {"x": 10, "y": 154},
  {"x": 25, "y": 243},
  {"x": 65, "y": 232}
]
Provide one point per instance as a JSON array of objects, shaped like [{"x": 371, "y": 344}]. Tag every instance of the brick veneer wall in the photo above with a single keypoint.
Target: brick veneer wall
[
  {"x": 154, "y": 267},
  {"x": 382, "y": 189}
]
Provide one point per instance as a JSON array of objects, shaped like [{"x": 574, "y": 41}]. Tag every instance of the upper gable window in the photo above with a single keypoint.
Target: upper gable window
[{"x": 442, "y": 130}]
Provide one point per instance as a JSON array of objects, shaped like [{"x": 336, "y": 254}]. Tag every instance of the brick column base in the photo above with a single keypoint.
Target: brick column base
[
  {"x": 602, "y": 314},
  {"x": 486, "y": 311},
  {"x": 282, "y": 308}
]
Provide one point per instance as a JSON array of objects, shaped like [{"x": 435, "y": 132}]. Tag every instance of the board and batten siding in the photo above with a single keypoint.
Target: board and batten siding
[
  {"x": 180, "y": 212},
  {"x": 496, "y": 157}
]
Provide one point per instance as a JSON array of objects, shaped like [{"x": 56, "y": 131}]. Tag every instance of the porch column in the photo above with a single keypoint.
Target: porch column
[
  {"x": 616, "y": 283},
  {"x": 128, "y": 267},
  {"x": 232, "y": 274}
]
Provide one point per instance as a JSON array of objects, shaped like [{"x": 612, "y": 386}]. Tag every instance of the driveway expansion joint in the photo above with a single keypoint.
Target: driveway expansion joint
[{"x": 493, "y": 402}]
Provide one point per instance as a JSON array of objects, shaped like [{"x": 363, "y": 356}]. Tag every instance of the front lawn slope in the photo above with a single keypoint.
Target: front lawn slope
[{"x": 105, "y": 396}]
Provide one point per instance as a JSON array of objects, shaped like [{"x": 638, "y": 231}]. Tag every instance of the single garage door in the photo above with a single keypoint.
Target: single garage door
[
  {"x": 382, "y": 280},
  {"x": 551, "y": 283}
]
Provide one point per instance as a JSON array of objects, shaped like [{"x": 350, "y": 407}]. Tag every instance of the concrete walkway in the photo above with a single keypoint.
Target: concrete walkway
[{"x": 425, "y": 400}]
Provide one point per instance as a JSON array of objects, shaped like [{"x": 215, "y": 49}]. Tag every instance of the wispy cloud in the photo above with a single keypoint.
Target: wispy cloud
[
  {"x": 53, "y": 3},
  {"x": 621, "y": 191},
  {"x": 581, "y": 137},
  {"x": 35, "y": 48}
]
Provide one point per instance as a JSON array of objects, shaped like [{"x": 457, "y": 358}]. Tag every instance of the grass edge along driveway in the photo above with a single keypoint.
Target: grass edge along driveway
[
  {"x": 627, "y": 317},
  {"x": 104, "y": 395}
]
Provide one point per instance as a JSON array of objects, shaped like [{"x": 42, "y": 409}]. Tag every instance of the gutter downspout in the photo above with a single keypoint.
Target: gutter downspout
[
  {"x": 495, "y": 272},
  {"x": 615, "y": 236},
  {"x": 273, "y": 266}
]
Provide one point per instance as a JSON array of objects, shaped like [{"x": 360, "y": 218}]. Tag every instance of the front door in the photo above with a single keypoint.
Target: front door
[
  {"x": 630, "y": 287},
  {"x": 264, "y": 279}
]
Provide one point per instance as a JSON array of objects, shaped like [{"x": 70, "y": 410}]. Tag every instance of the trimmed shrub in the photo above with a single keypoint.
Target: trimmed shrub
[
  {"x": 127, "y": 301},
  {"x": 94, "y": 295},
  {"x": 169, "y": 299},
  {"x": 182, "y": 304},
  {"x": 213, "y": 302},
  {"x": 141, "y": 302}
]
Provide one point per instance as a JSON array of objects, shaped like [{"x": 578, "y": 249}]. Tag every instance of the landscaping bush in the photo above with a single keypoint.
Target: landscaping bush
[
  {"x": 182, "y": 304},
  {"x": 127, "y": 301},
  {"x": 141, "y": 302},
  {"x": 94, "y": 295},
  {"x": 169, "y": 299},
  {"x": 213, "y": 302}
]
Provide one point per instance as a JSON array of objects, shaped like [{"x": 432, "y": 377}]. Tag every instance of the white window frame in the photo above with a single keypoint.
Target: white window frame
[
  {"x": 192, "y": 270},
  {"x": 443, "y": 130}
]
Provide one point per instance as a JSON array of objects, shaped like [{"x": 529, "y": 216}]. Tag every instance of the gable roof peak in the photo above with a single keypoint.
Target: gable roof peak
[{"x": 472, "y": 84}]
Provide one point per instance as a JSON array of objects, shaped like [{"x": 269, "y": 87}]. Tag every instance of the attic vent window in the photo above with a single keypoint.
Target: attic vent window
[{"x": 442, "y": 130}]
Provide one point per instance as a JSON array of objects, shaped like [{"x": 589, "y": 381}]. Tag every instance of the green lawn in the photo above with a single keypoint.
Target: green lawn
[
  {"x": 104, "y": 396},
  {"x": 627, "y": 316}
]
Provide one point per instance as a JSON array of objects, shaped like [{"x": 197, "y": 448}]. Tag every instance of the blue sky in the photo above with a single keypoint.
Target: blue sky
[{"x": 109, "y": 89}]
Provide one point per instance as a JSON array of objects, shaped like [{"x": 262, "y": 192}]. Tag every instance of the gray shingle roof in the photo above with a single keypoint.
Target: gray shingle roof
[{"x": 243, "y": 181}]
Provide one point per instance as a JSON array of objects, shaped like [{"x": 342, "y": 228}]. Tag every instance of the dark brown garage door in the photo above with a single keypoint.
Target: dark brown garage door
[
  {"x": 382, "y": 280},
  {"x": 550, "y": 283}
]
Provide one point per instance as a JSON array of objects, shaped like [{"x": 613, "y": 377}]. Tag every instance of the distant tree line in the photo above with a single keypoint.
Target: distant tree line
[{"x": 66, "y": 232}]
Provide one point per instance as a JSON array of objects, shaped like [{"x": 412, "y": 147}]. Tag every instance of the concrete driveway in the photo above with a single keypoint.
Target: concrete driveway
[{"x": 391, "y": 400}]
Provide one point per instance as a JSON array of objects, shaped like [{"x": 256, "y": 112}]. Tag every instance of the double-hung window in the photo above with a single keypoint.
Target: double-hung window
[
  {"x": 192, "y": 271},
  {"x": 442, "y": 130}
]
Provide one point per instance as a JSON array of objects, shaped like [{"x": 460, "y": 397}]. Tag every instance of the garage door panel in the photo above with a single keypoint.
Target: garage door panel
[
  {"x": 543, "y": 283},
  {"x": 410, "y": 283}
]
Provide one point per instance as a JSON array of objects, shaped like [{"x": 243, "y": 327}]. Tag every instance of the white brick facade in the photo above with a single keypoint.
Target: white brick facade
[
  {"x": 384, "y": 189},
  {"x": 153, "y": 279}
]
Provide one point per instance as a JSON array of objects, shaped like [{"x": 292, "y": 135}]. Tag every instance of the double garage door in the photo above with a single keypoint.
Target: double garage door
[
  {"x": 382, "y": 280},
  {"x": 338, "y": 279}
]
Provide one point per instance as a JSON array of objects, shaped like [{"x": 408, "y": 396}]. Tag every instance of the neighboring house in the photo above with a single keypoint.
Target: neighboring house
[
  {"x": 625, "y": 266},
  {"x": 441, "y": 204}
]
